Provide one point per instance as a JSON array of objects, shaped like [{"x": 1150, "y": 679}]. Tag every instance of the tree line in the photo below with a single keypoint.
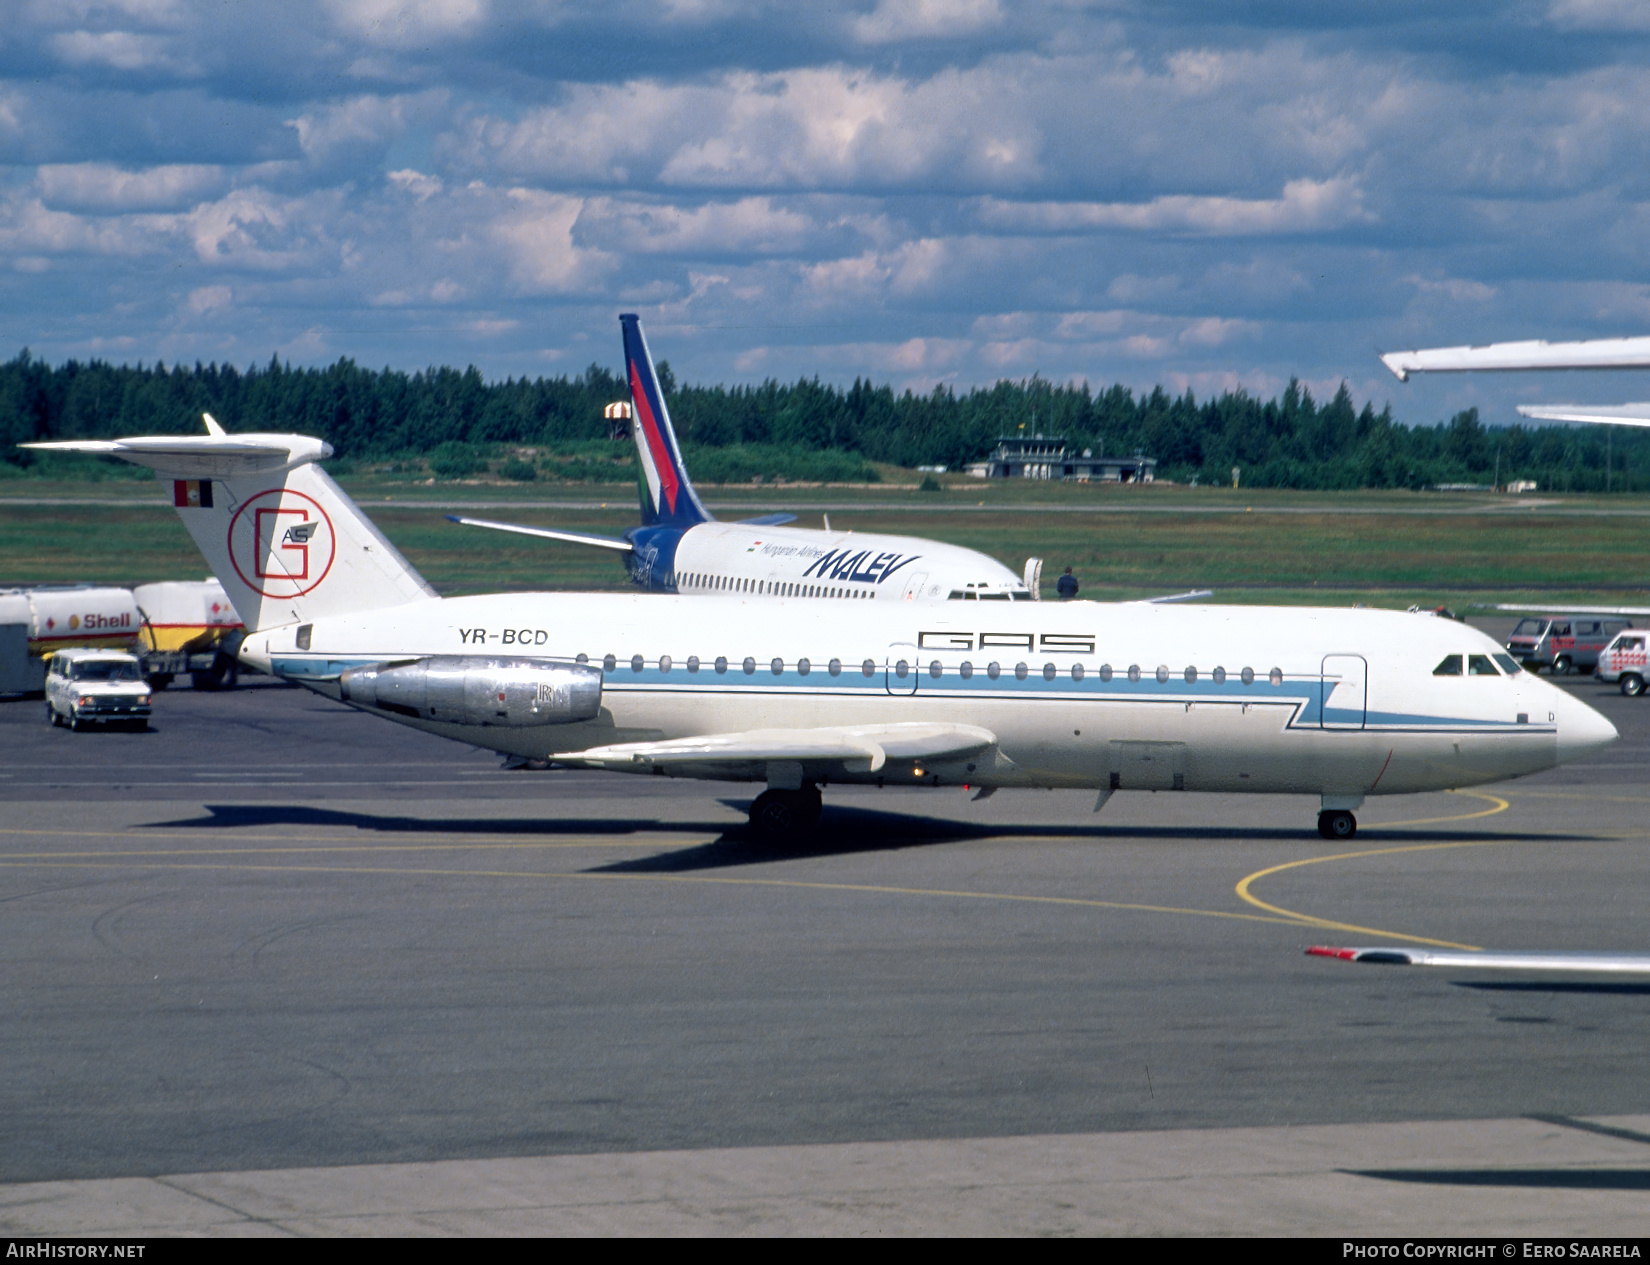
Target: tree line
[{"x": 1291, "y": 441}]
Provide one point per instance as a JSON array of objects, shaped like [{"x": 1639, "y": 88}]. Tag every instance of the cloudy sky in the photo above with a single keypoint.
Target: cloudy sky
[{"x": 1199, "y": 194}]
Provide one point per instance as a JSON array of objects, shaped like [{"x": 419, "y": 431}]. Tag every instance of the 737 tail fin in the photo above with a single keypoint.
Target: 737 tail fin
[
  {"x": 284, "y": 540},
  {"x": 668, "y": 498}
]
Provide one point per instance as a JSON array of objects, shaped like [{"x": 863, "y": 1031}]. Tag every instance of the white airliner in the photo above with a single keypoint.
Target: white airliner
[
  {"x": 680, "y": 548},
  {"x": 1337, "y": 703}
]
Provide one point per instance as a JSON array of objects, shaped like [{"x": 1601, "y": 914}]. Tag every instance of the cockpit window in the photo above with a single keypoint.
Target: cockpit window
[
  {"x": 1451, "y": 666},
  {"x": 1509, "y": 665},
  {"x": 1480, "y": 665}
]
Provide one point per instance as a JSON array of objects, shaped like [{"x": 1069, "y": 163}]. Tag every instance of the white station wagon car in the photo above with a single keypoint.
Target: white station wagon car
[{"x": 85, "y": 687}]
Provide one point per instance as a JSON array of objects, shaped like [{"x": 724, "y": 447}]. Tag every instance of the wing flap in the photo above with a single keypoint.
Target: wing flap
[{"x": 850, "y": 748}]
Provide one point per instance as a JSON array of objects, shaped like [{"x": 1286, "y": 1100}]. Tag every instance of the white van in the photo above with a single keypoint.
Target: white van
[
  {"x": 1624, "y": 660},
  {"x": 85, "y": 687}
]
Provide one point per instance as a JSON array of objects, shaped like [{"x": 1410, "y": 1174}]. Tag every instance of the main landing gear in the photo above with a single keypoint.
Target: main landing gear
[
  {"x": 785, "y": 817},
  {"x": 1337, "y": 824}
]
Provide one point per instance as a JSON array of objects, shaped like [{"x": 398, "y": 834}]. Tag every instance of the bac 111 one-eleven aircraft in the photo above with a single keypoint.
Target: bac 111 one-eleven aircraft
[
  {"x": 680, "y": 548},
  {"x": 798, "y": 694}
]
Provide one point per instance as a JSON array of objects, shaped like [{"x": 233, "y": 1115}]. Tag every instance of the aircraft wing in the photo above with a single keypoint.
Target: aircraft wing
[
  {"x": 768, "y": 520},
  {"x": 1195, "y": 595},
  {"x": 1594, "y": 353},
  {"x": 849, "y": 748},
  {"x": 1528, "y": 609},
  {"x": 549, "y": 533},
  {"x": 1613, "y": 414},
  {"x": 1520, "y": 960}
]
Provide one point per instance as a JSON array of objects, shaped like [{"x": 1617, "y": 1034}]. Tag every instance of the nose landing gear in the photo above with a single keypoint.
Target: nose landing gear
[
  {"x": 1337, "y": 824},
  {"x": 785, "y": 817}
]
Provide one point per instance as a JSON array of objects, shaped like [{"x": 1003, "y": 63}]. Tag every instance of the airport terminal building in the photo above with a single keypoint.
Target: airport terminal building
[{"x": 1047, "y": 457}]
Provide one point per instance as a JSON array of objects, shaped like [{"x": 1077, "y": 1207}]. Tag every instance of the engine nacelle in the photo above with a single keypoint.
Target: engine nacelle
[{"x": 479, "y": 690}]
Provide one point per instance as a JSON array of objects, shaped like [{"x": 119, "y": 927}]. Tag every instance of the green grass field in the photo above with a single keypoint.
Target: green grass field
[{"x": 1387, "y": 549}]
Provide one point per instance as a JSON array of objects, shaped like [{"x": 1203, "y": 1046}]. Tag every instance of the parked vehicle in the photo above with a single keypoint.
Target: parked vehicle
[
  {"x": 188, "y": 626},
  {"x": 85, "y": 687},
  {"x": 1626, "y": 661},
  {"x": 1563, "y": 643}
]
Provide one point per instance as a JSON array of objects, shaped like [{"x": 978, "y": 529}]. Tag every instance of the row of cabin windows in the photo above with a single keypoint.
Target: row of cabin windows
[
  {"x": 1476, "y": 665},
  {"x": 903, "y": 668},
  {"x": 770, "y": 588}
]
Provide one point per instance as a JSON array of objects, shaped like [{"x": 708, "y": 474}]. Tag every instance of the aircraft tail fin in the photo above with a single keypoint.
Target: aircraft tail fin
[
  {"x": 285, "y": 541},
  {"x": 668, "y": 498}
]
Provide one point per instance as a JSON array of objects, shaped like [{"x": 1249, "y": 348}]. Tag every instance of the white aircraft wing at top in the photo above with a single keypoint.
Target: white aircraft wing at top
[
  {"x": 857, "y": 748},
  {"x": 1494, "y": 960},
  {"x": 1612, "y": 414},
  {"x": 1595, "y": 353},
  {"x": 1574, "y": 610},
  {"x": 549, "y": 533}
]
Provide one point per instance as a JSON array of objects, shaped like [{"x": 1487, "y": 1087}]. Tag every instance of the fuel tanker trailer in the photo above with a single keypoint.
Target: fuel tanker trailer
[
  {"x": 48, "y": 619},
  {"x": 188, "y": 626}
]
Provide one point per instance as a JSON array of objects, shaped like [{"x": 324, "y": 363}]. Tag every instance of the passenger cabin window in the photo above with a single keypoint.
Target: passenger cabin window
[
  {"x": 1451, "y": 666},
  {"x": 1480, "y": 665}
]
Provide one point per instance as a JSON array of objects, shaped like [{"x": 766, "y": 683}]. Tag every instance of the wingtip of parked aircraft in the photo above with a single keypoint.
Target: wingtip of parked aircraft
[
  {"x": 1584, "y": 962},
  {"x": 1394, "y": 360}
]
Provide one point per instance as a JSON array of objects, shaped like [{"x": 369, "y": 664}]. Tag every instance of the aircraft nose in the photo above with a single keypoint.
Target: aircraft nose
[{"x": 1582, "y": 731}]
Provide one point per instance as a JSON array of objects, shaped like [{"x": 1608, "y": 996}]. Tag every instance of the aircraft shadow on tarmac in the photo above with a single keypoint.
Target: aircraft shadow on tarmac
[
  {"x": 845, "y": 830},
  {"x": 841, "y": 831},
  {"x": 231, "y": 816},
  {"x": 1550, "y": 1178},
  {"x": 1606, "y": 988}
]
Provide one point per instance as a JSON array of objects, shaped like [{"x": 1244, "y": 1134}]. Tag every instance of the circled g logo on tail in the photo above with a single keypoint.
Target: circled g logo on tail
[{"x": 281, "y": 543}]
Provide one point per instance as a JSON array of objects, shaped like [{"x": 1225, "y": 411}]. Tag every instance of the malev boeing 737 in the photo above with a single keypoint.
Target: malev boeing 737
[
  {"x": 680, "y": 548},
  {"x": 1336, "y": 703}
]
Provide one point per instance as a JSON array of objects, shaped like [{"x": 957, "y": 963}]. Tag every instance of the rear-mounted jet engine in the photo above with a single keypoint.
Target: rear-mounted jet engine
[{"x": 472, "y": 690}]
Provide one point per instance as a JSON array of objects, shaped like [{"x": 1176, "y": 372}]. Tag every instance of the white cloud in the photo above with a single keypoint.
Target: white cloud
[
  {"x": 894, "y": 20},
  {"x": 536, "y": 230},
  {"x": 1458, "y": 289},
  {"x": 1306, "y": 206},
  {"x": 408, "y": 23},
  {"x": 819, "y": 127},
  {"x": 1600, "y": 15},
  {"x": 121, "y": 50},
  {"x": 205, "y": 299},
  {"x": 754, "y": 225},
  {"x": 345, "y": 131},
  {"x": 416, "y": 183},
  {"x": 105, "y": 187}
]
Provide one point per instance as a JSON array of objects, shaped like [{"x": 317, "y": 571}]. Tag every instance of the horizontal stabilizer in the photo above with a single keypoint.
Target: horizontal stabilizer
[
  {"x": 769, "y": 520},
  {"x": 1594, "y": 353},
  {"x": 1609, "y": 414},
  {"x": 549, "y": 533},
  {"x": 850, "y": 748},
  {"x": 1521, "y": 960},
  {"x": 202, "y": 456}
]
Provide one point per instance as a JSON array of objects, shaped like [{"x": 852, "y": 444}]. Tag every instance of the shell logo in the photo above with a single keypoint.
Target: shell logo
[{"x": 74, "y": 622}]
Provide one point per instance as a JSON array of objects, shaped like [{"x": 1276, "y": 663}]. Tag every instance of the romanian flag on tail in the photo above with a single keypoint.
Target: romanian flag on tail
[{"x": 192, "y": 493}]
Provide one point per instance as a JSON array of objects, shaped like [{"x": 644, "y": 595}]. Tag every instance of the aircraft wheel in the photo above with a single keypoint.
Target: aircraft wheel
[
  {"x": 785, "y": 816},
  {"x": 1337, "y": 824},
  {"x": 1632, "y": 685},
  {"x": 1562, "y": 665}
]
